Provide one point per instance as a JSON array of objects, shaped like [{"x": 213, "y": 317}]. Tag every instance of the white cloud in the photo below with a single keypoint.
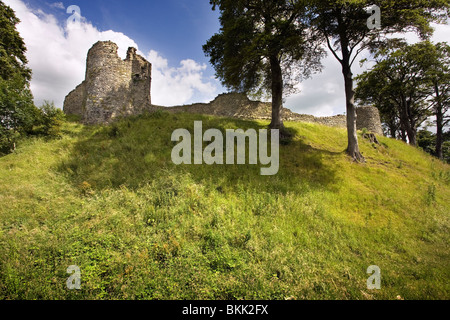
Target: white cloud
[
  {"x": 441, "y": 32},
  {"x": 324, "y": 95},
  {"x": 57, "y": 56},
  {"x": 58, "y": 5},
  {"x": 174, "y": 86}
]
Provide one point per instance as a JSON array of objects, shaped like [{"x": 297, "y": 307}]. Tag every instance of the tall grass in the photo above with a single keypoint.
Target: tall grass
[{"x": 109, "y": 200}]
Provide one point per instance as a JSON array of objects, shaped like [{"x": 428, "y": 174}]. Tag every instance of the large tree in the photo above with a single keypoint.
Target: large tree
[
  {"x": 263, "y": 46},
  {"x": 399, "y": 80},
  {"x": 409, "y": 82},
  {"x": 12, "y": 47},
  {"x": 17, "y": 111},
  {"x": 343, "y": 26},
  {"x": 438, "y": 57}
]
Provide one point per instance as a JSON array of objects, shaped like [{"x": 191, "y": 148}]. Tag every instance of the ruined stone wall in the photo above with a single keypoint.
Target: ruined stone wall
[
  {"x": 75, "y": 101},
  {"x": 369, "y": 118},
  {"x": 237, "y": 105},
  {"x": 231, "y": 105},
  {"x": 113, "y": 87}
]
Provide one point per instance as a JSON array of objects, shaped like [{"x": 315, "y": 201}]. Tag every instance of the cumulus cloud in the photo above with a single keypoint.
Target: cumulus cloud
[
  {"x": 321, "y": 95},
  {"x": 57, "y": 55},
  {"x": 324, "y": 94},
  {"x": 58, "y": 5},
  {"x": 174, "y": 86}
]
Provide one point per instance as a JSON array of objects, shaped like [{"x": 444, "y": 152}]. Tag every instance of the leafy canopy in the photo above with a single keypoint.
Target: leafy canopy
[
  {"x": 12, "y": 47},
  {"x": 254, "y": 31},
  {"x": 404, "y": 79}
]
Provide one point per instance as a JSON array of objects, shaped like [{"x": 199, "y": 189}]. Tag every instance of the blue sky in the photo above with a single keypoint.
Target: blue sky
[
  {"x": 176, "y": 28},
  {"x": 168, "y": 33}
]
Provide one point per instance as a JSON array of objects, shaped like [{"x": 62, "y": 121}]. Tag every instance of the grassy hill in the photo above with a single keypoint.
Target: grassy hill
[{"x": 109, "y": 200}]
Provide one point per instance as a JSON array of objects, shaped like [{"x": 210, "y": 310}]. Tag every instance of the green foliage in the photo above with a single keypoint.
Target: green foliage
[
  {"x": 255, "y": 32},
  {"x": 12, "y": 47},
  {"x": 50, "y": 120},
  {"x": 140, "y": 227},
  {"x": 426, "y": 140},
  {"x": 408, "y": 84},
  {"x": 73, "y": 118},
  {"x": 17, "y": 112}
]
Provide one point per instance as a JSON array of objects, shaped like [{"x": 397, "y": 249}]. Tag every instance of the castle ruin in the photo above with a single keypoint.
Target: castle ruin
[
  {"x": 114, "y": 88},
  {"x": 237, "y": 105}
]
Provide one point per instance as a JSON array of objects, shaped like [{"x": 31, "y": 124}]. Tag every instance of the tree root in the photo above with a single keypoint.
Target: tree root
[
  {"x": 357, "y": 157},
  {"x": 285, "y": 135},
  {"x": 371, "y": 137}
]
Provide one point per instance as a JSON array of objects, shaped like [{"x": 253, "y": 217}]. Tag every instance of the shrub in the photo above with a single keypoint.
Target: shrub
[
  {"x": 50, "y": 120},
  {"x": 17, "y": 112}
]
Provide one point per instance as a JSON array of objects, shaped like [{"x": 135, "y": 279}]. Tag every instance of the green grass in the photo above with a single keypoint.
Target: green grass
[{"x": 109, "y": 200}]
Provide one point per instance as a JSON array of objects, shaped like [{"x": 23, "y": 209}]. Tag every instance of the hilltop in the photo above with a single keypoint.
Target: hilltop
[{"x": 109, "y": 200}]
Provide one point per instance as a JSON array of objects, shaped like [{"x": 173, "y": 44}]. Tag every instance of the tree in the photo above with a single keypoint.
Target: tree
[
  {"x": 343, "y": 26},
  {"x": 438, "y": 73},
  {"x": 12, "y": 47},
  {"x": 401, "y": 80},
  {"x": 263, "y": 46},
  {"x": 49, "y": 120},
  {"x": 409, "y": 83},
  {"x": 427, "y": 141},
  {"x": 17, "y": 112}
]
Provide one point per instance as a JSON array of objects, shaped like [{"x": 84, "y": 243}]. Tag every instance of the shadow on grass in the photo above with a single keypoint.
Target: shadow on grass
[{"x": 136, "y": 151}]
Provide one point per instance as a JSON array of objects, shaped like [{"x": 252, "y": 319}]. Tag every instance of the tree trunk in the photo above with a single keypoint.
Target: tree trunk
[
  {"x": 412, "y": 137},
  {"x": 353, "y": 145},
  {"x": 407, "y": 126},
  {"x": 277, "y": 97},
  {"x": 393, "y": 131},
  {"x": 403, "y": 135},
  {"x": 352, "y": 133},
  {"x": 439, "y": 125}
]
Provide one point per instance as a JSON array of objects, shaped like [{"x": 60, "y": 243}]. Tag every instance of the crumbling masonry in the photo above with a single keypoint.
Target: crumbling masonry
[{"x": 113, "y": 87}]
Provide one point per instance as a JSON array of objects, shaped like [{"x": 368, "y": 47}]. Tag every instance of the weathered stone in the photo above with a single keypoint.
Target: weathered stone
[
  {"x": 369, "y": 118},
  {"x": 113, "y": 87},
  {"x": 75, "y": 102},
  {"x": 237, "y": 105}
]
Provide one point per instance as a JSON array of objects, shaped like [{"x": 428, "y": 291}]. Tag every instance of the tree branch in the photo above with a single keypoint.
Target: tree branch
[
  {"x": 332, "y": 50},
  {"x": 359, "y": 50}
]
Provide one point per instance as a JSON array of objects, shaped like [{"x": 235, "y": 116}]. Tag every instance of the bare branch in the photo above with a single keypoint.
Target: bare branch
[{"x": 332, "y": 50}]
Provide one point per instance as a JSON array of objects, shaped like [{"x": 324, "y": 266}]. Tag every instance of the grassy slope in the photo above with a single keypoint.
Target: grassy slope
[{"x": 109, "y": 200}]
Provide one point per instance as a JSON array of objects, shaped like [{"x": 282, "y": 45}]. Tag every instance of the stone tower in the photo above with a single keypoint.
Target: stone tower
[
  {"x": 113, "y": 87},
  {"x": 369, "y": 118}
]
